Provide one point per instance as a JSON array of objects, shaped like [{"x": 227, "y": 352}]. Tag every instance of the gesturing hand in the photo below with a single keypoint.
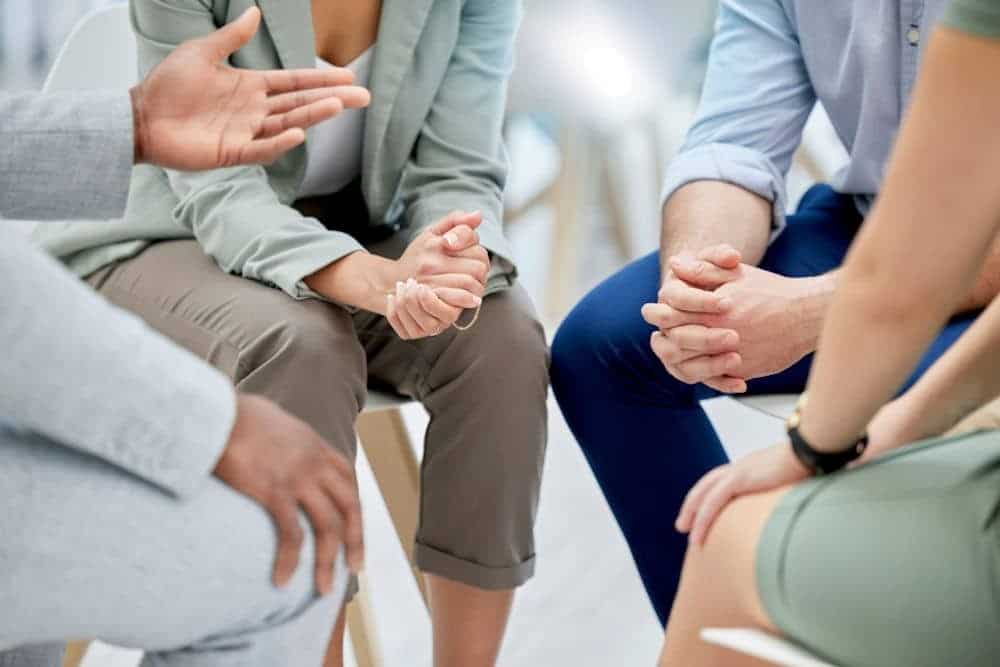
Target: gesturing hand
[
  {"x": 195, "y": 112},
  {"x": 445, "y": 270},
  {"x": 282, "y": 464},
  {"x": 757, "y": 472}
]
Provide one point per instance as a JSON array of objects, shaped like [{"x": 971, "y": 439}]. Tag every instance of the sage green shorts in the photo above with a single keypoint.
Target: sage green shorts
[{"x": 893, "y": 563}]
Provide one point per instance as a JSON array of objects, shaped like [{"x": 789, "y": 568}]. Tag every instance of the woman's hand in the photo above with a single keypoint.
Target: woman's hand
[
  {"x": 418, "y": 311},
  {"x": 761, "y": 471},
  {"x": 448, "y": 255}
]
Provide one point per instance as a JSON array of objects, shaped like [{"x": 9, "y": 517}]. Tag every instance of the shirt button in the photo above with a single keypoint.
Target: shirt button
[{"x": 913, "y": 35}]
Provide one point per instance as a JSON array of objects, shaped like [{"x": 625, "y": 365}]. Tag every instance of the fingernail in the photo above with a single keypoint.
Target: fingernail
[
  {"x": 476, "y": 300},
  {"x": 725, "y": 303},
  {"x": 451, "y": 238}
]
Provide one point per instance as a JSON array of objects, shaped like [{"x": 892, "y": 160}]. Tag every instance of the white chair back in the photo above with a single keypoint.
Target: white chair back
[{"x": 99, "y": 54}]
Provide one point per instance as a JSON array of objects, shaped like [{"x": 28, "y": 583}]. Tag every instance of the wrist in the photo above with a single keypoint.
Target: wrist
[
  {"x": 138, "y": 124},
  {"x": 812, "y": 304},
  {"x": 360, "y": 280}
]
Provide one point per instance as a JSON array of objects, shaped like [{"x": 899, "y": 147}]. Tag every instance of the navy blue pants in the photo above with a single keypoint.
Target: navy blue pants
[{"x": 644, "y": 433}]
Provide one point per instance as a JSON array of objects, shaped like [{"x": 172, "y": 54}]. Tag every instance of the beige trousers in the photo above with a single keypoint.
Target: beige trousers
[{"x": 484, "y": 390}]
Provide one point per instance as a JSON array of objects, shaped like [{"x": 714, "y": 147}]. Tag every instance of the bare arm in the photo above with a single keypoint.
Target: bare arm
[
  {"x": 708, "y": 213},
  {"x": 901, "y": 281}
]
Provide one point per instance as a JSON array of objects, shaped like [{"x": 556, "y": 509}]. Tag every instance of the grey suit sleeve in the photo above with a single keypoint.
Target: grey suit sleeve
[
  {"x": 65, "y": 155},
  {"x": 95, "y": 378}
]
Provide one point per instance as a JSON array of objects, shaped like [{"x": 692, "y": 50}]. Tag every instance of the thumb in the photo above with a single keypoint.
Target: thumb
[
  {"x": 456, "y": 218},
  {"x": 231, "y": 37}
]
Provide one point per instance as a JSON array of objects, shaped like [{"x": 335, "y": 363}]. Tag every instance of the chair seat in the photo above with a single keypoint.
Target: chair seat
[
  {"x": 762, "y": 645},
  {"x": 780, "y": 406},
  {"x": 380, "y": 401}
]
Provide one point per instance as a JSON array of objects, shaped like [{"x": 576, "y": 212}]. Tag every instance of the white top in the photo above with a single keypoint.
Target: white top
[{"x": 335, "y": 145}]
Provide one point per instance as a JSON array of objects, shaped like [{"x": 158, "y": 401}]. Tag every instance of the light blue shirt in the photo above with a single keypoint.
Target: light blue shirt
[{"x": 771, "y": 60}]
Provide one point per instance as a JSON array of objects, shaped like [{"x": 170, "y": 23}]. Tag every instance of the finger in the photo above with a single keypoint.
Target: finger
[
  {"x": 456, "y": 281},
  {"x": 470, "y": 267},
  {"x": 723, "y": 256},
  {"x": 457, "y": 298},
  {"x": 231, "y": 37},
  {"x": 429, "y": 325},
  {"x": 267, "y": 150},
  {"x": 344, "y": 494},
  {"x": 392, "y": 316},
  {"x": 477, "y": 253},
  {"x": 410, "y": 325},
  {"x": 326, "y": 528},
  {"x": 667, "y": 350},
  {"x": 285, "y": 514},
  {"x": 290, "y": 80},
  {"x": 702, "y": 368},
  {"x": 443, "y": 312},
  {"x": 461, "y": 238},
  {"x": 303, "y": 117},
  {"x": 456, "y": 218},
  {"x": 727, "y": 384},
  {"x": 701, "y": 272},
  {"x": 708, "y": 510},
  {"x": 279, "y": 104},
  {"x": 662, "y": 316},
  {"x": 693, "y": 300},
  {"x": 692, "y": 501},
  {"x": 706, "y": 340}
]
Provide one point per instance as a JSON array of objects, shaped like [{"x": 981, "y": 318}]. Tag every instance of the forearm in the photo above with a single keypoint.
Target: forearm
[
  {"x": 360, "y": 280},
  {"x": 896, "y": 292},
  {"x": 987, "y": 284},
  {"x": 965, "y": 378},
  {"x": 707, "y": 213}
]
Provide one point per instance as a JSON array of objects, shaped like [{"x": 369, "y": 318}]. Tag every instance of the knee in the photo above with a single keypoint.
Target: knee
[
  {"x": 602, "y": 350},
  {"x": 508, "y": 354}
]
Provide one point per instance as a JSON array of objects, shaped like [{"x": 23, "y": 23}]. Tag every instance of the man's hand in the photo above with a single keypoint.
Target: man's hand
[
  {"x": 283, "y": 465},
  {"x": 196, "y": 112},
  {"x": 723, "y": 324}
]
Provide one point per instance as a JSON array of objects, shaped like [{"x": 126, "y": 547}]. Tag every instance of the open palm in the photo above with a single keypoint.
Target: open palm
[{"x": 194, "y": 111}]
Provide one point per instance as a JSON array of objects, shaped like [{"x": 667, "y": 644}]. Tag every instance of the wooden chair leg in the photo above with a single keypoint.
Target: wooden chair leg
[
  {"x": 361, "y": 628},
  {"x": 73, "y": 657},
  {"x": 397, "y": 472}
]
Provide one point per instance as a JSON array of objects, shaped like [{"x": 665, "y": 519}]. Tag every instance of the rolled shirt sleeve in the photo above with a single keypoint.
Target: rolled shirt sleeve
[
  {"x": 95, "y": 378},
  {"x": 754, "y": 106}
]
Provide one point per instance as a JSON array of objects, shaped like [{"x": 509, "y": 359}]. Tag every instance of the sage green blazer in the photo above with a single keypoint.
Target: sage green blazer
[{"x": 432, "y": 144}]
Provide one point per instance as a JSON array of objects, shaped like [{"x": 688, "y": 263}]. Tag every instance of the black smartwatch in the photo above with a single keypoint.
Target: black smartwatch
[{"x": 820, "y": 463}]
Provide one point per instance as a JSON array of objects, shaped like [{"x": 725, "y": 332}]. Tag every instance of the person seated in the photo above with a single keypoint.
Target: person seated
[
  {"x": 895, "y": 561},
  {"x": 735, "y": 299},
  {"x": 140, "y": 490},
  {"x": 373, "y": 255}
]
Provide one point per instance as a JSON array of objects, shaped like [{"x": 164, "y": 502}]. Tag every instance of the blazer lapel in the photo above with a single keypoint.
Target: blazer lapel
[
  {"x": 399, "y": 31},
  {"x": 289, "y": 23}
]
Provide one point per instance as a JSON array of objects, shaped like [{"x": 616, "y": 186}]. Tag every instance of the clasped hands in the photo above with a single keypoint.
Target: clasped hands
[
  {"x": 721, "y": 322},
  {"x": 442, "y": 273}
]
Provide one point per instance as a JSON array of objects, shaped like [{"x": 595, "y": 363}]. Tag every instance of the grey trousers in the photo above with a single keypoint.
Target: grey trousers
[
  {"x": 485, "y": 391},
  {"x": 88, "y": 551}
]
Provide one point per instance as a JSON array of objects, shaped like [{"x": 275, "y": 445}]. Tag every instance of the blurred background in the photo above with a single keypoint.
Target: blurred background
[{"x": 599, "y": 103}]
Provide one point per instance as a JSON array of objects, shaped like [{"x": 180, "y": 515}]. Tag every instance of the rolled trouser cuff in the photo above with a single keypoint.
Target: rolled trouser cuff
[{"x": 436, "y": 562}]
